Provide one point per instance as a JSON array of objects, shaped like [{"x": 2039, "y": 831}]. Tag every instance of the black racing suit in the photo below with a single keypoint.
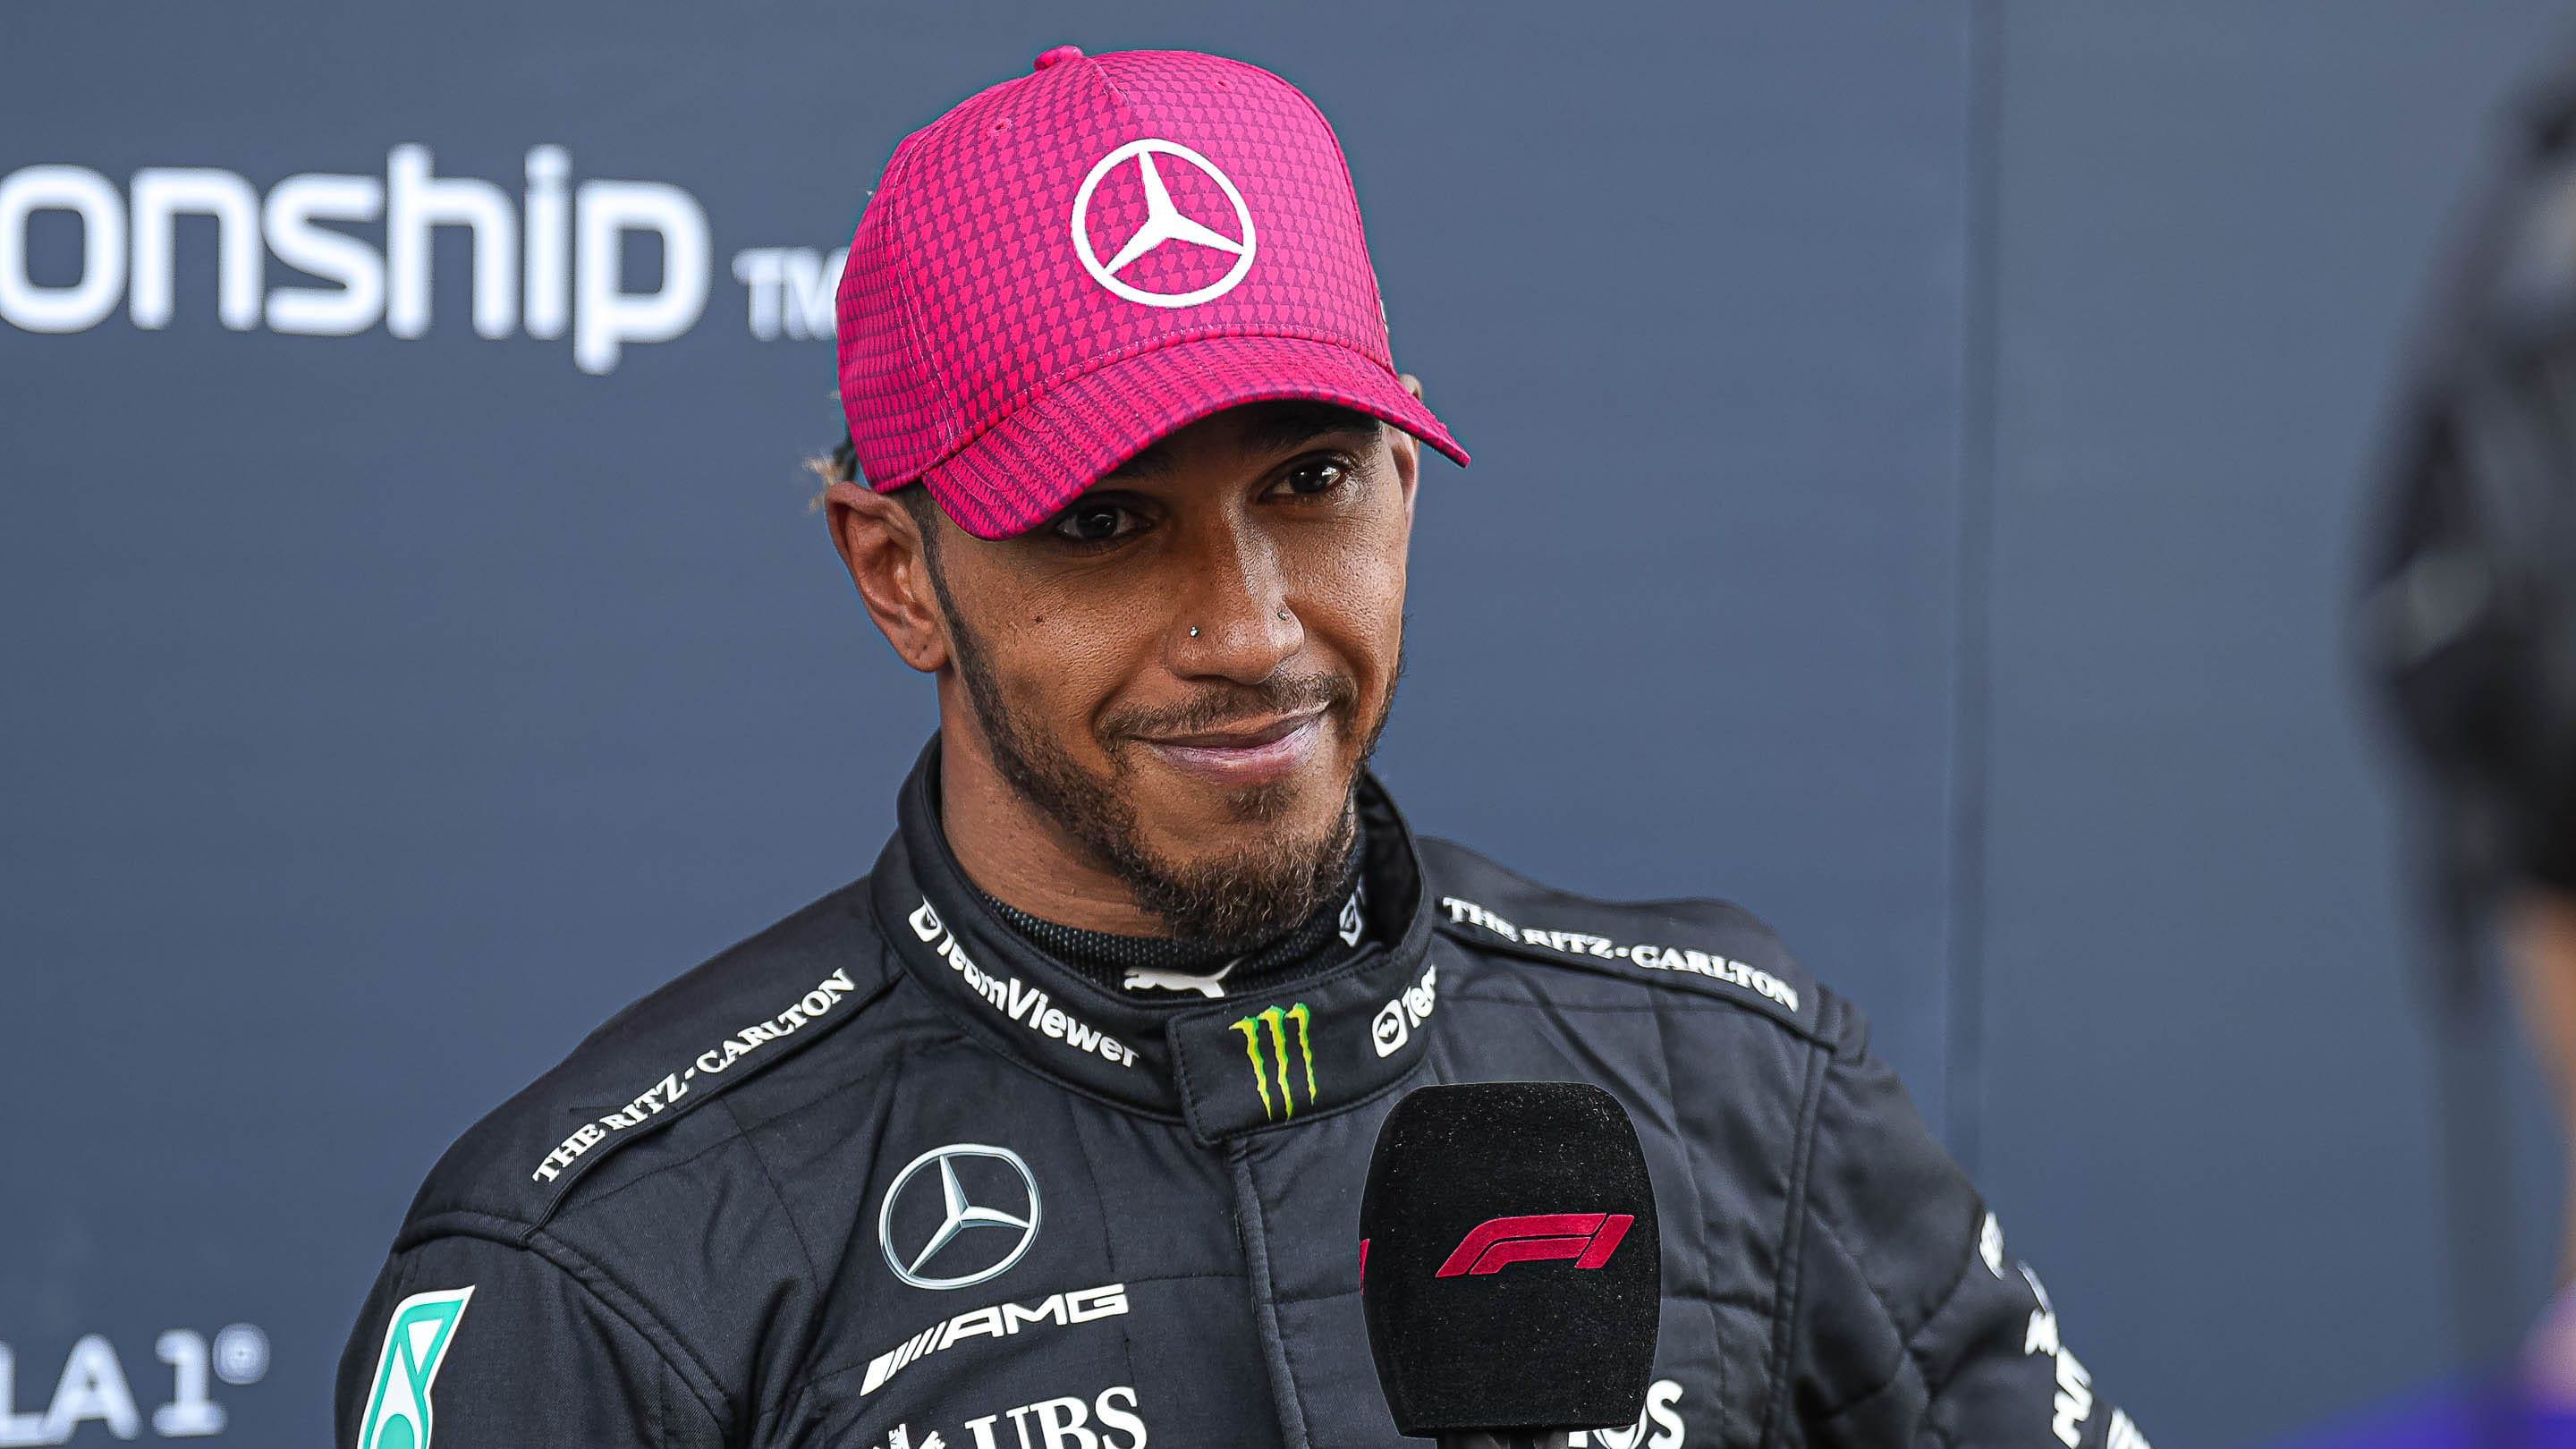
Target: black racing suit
[{"x": 885, "y": 1176}]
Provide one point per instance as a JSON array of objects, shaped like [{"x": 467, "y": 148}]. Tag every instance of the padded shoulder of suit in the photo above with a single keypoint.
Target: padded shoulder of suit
[
  {"x": 1709, "y": 947},
  {"x": 752, "y": 1006}
]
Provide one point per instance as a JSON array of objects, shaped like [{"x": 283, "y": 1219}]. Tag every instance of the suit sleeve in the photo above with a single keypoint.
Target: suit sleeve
[
  {"x": 1914, "y": 1324},
  {"x": 466, "y": 1343}
]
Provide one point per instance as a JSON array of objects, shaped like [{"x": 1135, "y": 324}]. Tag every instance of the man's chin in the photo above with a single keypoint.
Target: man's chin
[{"x": 1246, "y": 880}]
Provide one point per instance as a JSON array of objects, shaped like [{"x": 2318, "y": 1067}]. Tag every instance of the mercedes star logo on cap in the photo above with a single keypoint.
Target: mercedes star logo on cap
[{"x": 1164, "y": 224}]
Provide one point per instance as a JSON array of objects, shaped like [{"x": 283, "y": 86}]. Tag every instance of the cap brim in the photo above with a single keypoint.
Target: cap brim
[{"x": 1019, "y": 472}]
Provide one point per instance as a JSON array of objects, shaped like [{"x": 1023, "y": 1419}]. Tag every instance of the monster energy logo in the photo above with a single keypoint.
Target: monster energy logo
[{"x": 1277, "y": 1019}]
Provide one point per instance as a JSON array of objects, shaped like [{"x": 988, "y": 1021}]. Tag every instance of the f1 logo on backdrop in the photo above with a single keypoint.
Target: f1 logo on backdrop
[
  {"x": 1490, "y": 1247},
  {"x": 94, "y": 1387}
]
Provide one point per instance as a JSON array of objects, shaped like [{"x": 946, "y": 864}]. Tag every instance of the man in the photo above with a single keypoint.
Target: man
[
  {"x": 1049, "y": 1133},
  {"x": 2468, "y": 619}
]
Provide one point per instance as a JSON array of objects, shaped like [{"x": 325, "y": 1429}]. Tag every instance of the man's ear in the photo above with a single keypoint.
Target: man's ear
[
  {"x": 890, "y": 562},
  {"x": 1408, "y": 448}
]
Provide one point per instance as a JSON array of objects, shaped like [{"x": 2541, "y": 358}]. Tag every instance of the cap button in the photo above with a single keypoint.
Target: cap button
[{"x": 1059, "y": 55}]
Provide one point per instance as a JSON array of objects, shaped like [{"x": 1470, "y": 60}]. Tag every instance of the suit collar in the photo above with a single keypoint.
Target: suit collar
[{"x": 1272, "y": 1060}]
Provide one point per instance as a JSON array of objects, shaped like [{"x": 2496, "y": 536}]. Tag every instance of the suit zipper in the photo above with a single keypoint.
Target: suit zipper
[{"x": 1252, "y": 1235}]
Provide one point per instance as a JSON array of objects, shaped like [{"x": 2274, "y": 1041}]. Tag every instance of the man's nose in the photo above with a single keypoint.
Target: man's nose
[{"x": 1235, "y": 621}]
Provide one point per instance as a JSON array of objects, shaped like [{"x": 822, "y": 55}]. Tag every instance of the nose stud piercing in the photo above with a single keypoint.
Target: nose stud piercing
[{"x": 1194, "y": 629}]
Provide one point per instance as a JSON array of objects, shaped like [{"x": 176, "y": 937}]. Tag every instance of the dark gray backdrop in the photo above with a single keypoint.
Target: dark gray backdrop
[{"x": 1916, "y": 447}]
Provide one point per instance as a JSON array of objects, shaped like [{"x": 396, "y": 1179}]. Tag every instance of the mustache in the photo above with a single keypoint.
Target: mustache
[{"x": 1224, "y": 704}]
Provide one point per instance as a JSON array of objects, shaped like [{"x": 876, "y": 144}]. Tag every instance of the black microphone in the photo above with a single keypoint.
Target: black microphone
[{"x": 1510, "y": 1268}]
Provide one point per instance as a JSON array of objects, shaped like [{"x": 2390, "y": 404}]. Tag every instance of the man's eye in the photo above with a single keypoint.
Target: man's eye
[
  {"x": 1321, "y": 476},
  {"x": 1094, "y": 523}
]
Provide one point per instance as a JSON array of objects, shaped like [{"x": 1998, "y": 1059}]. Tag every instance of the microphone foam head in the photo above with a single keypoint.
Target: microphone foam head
[{"x": 1511, "y": 1271}]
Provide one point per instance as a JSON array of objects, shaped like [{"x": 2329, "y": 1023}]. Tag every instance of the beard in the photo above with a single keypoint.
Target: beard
[{"x": 1239, "y": 899}]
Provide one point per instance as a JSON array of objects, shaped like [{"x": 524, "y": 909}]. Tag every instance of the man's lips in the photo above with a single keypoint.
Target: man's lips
[
  {"x": 1243, "y": 737},
  {"x": 1251, "y": 755}
]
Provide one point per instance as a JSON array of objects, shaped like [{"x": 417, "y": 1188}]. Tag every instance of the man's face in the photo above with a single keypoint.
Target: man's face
[{"x": 1184, "y": 670}]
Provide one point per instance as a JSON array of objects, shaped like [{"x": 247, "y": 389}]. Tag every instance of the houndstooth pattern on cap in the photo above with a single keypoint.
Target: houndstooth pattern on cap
[{"x": 965, "y": 302}]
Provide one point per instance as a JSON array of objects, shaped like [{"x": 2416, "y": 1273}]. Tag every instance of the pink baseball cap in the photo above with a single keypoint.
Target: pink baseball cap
[{"x": 1077, "y": 262}]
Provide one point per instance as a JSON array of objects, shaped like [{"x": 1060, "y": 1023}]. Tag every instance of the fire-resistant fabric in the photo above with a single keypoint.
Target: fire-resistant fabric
[{"x": 884, "y": 1176}]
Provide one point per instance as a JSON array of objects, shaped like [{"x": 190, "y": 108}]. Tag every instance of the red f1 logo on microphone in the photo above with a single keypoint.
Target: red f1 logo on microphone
[{"x": 1588, "y": 1238}]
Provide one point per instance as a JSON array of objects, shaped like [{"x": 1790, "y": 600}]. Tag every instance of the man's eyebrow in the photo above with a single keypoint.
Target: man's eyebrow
[
  {"x": 1272, "y": 429},
  {"x": 1153, "y": 461},
  {"x": 1275, "y": 430}
]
